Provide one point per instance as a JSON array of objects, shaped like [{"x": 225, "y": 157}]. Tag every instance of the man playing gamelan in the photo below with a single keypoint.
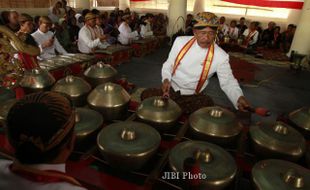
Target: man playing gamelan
[
  {"x": 88, "y": 40},
  {"x": 191, "y": 62}
]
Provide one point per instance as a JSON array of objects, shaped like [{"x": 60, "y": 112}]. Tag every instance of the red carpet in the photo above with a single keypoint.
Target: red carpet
[
  {"x": 272, "y": 54},
  {"x": 243, "y": 71}
]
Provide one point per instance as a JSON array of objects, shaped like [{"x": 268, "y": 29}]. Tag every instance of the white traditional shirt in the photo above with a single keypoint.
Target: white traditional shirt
[
  {"x": 98, "y": 31},
  {"x": 11, "y": 181},
  {"x": 232, "y": 32},
  {"x": 189, "y": 70},
  {"x": 146, "y": 30},
  {"x": 47, "y": 52},
  {"x": 254, "y": 39},
  {"x": 126, "y": 35},
  {"x": 88, "y": 41},
  {"x": 224, "y": 28}
]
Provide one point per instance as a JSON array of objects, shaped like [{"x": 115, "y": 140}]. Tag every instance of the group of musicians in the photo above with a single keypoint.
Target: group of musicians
[{"x": 40, "y": 126}]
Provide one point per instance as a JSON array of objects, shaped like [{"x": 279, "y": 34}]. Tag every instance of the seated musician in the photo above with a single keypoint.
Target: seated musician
[
  {"x": 127, "y": 11},
  {"x": 134, "y": 21},
  {"x": 63, "y": 35},
  {"x": 73, "y": 30},
  {"x": 26, "y": 27},
  {"x": 267, "y": 35},
  {"x": 276, "y": 40},
  {"x": 56, "y": 12},
  {"x": 105, "y": 29},
  {"x": 160, "y": 25},
  {"x": 46, "y": 39},
  {"x": 65, "y": 6},
  {"x": 98, "y": 28},
  {"x": 191, "y": 62},
  {"x": 250, "y": 36},
  {"x": 126, "y": 35},
  {"x": 287, "y": 38},
  {"x": 79, "y": 20},
  {"x": 233, "y": 31},
  {"x": 189, "y": 19},
  {"x": 88, "y": 40},
  {"x": 223, "y": 28},
  {"x": 41, "y": 130},
  {"x": 12, "y": 21},
  {"x": 241, "y": 26},
  {"x": 146, "y": 28}
]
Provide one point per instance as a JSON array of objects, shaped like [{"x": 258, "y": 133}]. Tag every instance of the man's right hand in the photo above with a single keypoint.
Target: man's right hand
[
  {"x": 48, "y": 43},
  {"x": 166, "y": 87},
  {"x": 103, "y": 38}
]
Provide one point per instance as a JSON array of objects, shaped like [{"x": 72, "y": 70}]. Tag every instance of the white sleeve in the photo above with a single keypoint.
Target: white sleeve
[
  {"x": 228, "y": 83},
  {"x": 236, "y": 33},
  {"x": 86, "y": 37},
  {"x": 59, "y": 47},
  {"x": 143, "y": 30},
  {"x": 36, "y": 38},
  {"x": 149, "y": 33},
  {"x": 246, "y": 32},
  {"x": 168, "y": 65},
  {"x": 225, "y": 29},
  {"x": 103, "y": 45},
  {"x": 122, "y": 29},
  {"x": 255, "y": 38},
  {"x": 41, "y": 48},
  {"x": 101, "y": 31}
]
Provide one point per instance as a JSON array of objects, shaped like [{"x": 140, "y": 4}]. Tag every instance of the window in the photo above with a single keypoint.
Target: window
[
  {"x": 105, "y": 3},
  {"x": 151, "y": 4},
  {"x": 219, "y": 7},
  {"x": 222, "y": 7}
]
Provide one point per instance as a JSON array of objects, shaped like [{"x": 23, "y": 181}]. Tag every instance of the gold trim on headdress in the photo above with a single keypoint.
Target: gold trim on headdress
[
  {"x": 90, "y": 16},
  {"x": 205, "y": 19}
]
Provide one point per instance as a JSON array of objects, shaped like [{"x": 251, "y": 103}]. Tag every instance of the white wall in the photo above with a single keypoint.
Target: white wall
[{"x": 293, "y": 19}]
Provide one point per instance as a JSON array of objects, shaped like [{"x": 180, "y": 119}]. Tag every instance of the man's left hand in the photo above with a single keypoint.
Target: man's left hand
[{"x": 243, "y": 104}]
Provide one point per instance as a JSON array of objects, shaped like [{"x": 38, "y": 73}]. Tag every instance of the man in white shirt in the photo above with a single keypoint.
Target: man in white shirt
[
  {"x": 193, "y": 60},
  {"x": 98, "y": 29},
  {"x": 233, "y": 31},
  {"x": 146, "y": 28},
  {"x": 89, "y": 40},
  {"x": 250, "y": 35},
  {"x": 126, "y": 35},
  {"x": 41, "y": 130},
  {"x": 46, "y": 39},
  {"x": 223, "y": 28}
]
